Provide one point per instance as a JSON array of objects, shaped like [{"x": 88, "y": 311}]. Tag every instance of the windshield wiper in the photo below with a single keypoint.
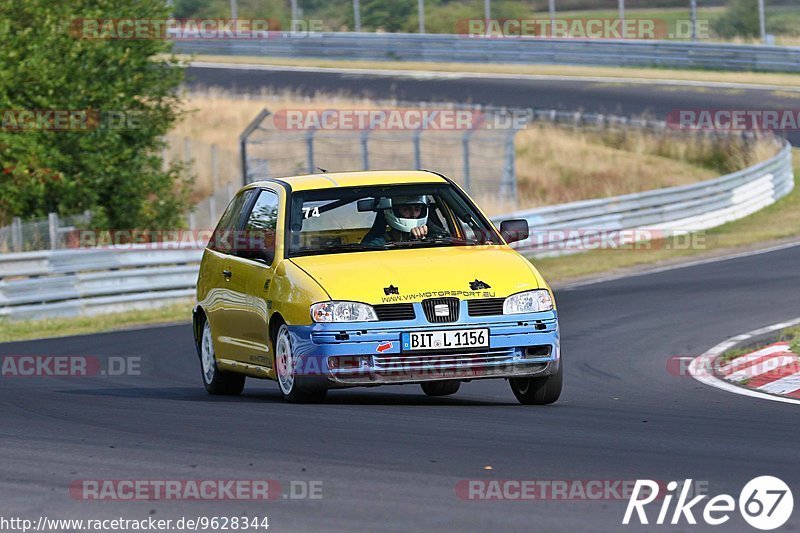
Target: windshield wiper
[
  {"x": 434, "y": 241},
  {"x": 328, "y": 248}
]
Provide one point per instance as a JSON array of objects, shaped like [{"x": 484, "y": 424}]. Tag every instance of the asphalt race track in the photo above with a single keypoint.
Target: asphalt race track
[
  {"x": 390, "y": 458},
  {"x": 655, "y": 99}
]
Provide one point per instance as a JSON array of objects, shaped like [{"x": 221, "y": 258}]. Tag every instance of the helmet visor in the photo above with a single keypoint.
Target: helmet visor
[{"x": 411, "y": 211}]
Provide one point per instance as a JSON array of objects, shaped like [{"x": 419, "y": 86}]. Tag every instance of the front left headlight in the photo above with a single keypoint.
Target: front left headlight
[
  {"x": 528, "y": 302},
  {"x": 343, "y": 312}
]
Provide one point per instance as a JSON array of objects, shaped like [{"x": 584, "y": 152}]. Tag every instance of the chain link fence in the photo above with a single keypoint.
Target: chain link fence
[
  {"x": 480, "y": 158},
  {"x": 217, "y": 173},
  {"x": 51, "y": 233}
]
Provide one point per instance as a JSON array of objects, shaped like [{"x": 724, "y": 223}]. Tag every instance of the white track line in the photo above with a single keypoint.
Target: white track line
[
  {"x": 705, "y": 361},
  {"x": 441, "y": 74}
]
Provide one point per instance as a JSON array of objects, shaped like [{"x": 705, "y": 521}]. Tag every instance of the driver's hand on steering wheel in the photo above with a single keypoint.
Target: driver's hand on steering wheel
[{"x": 419, "y": 232}]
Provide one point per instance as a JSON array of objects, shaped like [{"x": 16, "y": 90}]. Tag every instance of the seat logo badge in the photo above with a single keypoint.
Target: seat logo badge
[
  {"x": 391, "y": 289},
  {"x": 441, "y": 310},
  {"x": 384, "y": 346}
]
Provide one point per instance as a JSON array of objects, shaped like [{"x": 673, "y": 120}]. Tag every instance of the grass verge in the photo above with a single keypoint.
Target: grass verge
[
  {"x": 62, "y": 327},
  {"x": 778, "y": 221},
  {"x": 654, "y": 74}
]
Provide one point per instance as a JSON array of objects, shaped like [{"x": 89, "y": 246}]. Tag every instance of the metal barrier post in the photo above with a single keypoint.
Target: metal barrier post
[
  {"x": 187, "y": 151},
  {"x": 365, "y": 149},
  {"x": 465, "y": 149},
  {"x": 16, "y": 234},
  {"x": 310, "y": 151},
  {"x": 244, "y": 137},
  {"x": 214, "y": 167},
  {"x": 509, "y": 183},
  {"x": 52, "y": 226},
  {"x": 417, "y": 152}
]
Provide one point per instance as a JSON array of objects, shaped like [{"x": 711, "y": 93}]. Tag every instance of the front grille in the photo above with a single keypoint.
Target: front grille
[
  {"x": 429, "y": 306},
  {"x": 395, "y": 312},
  {"x": 463, "y": 360},
  {"x": 485, "y": 307}
]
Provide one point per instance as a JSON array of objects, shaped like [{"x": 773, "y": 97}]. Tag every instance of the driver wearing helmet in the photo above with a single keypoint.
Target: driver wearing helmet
[{"x": 407, "y": 220}]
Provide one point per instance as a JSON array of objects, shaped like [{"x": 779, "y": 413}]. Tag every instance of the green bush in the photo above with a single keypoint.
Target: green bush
[
  {"x": 739, "y": 20},
  {"x": 114, "y": 170}
]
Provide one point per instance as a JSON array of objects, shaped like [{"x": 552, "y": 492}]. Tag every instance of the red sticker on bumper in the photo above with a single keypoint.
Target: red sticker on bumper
[{"x": 382, "y": 347}]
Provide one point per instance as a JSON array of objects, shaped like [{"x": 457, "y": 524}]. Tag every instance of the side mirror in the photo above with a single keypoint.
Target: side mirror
[{"x": 514, "y": 230}]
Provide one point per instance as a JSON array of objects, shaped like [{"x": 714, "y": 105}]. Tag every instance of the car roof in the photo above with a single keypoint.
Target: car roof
[{"x": 363, "y": 178}]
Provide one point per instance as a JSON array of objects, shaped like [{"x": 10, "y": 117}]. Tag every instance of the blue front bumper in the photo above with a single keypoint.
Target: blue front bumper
[{"x": 519, "y": 346}]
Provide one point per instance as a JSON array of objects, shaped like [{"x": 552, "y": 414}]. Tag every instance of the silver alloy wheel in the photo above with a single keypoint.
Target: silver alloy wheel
[
  {"x": 207, "y": 355},
  {"x": 285, "y": 361}
]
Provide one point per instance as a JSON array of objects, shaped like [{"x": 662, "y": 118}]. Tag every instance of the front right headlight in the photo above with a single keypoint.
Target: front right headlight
[
  {"x": 528, "y": 302},
  {"x": 343, "y": 312}
]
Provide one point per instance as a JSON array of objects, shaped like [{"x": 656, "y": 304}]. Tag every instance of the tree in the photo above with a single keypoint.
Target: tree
[{"x": 128, "y": 90}]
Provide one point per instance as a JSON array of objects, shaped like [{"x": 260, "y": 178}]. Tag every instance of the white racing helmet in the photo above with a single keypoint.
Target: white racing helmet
[{"x": 395, "y": 219}]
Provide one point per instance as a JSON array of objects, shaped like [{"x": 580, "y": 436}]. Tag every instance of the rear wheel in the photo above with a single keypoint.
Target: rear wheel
[
  {"x": 538, "y": 391},
  {"x": 286, "y": 370},
  {"x": 440, "y": 388},
  {"x": 215, "y": 380}
]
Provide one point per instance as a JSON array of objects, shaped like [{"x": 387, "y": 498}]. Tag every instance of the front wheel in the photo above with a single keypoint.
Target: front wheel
[
  {"x": 215, "y": 380},
  {"x": 286, "y": 370},
  {"x": 538, "y": 391}
]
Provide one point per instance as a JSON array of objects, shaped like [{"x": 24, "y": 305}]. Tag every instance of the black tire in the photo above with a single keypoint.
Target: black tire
[
  {"x": 441, "y": 388},
  {"x": 215, "y": 380},
  {"x": 538, "y": 391},
  {"x": 291, "y": 386}
]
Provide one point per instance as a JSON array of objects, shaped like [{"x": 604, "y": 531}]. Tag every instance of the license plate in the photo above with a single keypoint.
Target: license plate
[{"x": 446, "y": 340}]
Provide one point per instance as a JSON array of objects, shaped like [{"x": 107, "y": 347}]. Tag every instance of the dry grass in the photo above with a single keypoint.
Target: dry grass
[{"x": 555, "y": 164}]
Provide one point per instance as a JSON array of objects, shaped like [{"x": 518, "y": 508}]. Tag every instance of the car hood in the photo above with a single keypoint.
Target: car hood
[{"x": 420, "y": 273}]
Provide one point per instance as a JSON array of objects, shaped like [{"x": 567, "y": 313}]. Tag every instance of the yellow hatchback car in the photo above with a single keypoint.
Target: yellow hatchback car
[{"x": 371, "y": 278}]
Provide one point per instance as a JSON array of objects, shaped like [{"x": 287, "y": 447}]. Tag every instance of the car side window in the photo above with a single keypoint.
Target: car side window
[
  {"x": 259, "y": 236},
  {"x": 224, "y": 236}
]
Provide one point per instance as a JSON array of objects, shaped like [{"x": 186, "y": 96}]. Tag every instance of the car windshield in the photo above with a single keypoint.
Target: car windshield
[{"x": 358, "y": 219}]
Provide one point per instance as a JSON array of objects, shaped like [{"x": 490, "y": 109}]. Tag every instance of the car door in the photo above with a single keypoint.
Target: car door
[
  {"x": 253, "y": 268},
  {"x": 223, "y": 303}
]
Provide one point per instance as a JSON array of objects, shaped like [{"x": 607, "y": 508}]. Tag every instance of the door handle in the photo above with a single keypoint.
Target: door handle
[{"x": 227, "y": 274}]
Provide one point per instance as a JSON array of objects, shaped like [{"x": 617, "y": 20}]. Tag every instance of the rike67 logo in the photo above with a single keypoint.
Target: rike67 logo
[{"x": 765, "y": 503}]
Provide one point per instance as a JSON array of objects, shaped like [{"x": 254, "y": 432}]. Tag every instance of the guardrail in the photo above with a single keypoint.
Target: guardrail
[
  {"x": 463, "y": 48},
  {"x": 90, "y": 282},
  {"x": 565, "y": 228}
]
